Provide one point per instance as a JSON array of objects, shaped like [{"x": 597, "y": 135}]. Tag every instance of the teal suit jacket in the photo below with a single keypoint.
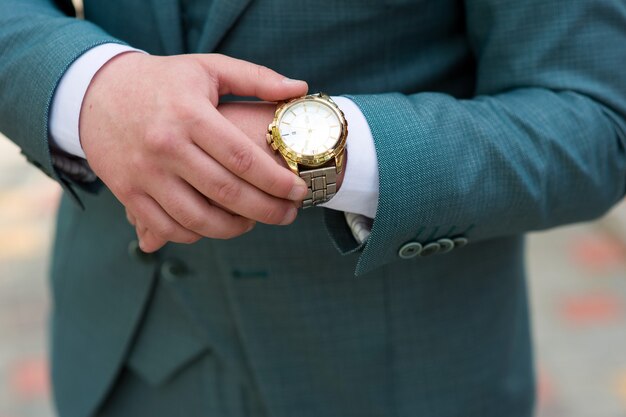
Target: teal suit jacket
[{"x": 490, "y": 118}]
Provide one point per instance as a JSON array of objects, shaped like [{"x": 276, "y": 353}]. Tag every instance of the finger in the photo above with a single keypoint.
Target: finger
[
  {"x": 228, "y": 145},
  {"x": 155, "y": 219},
  {"x": 193, "y": 211},
  {"x": 149, "y": 242},
  {"x": 140, "y": 227},
  {"x": 226, "y": 189},
  {"x": 131, "y": 218},
  {"x": 243, "y": 78}
]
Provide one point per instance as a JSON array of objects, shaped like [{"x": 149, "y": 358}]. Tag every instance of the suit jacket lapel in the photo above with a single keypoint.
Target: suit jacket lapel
[
  {"x": 167, "y": 15},
  {"x": 222, "y": 15}
]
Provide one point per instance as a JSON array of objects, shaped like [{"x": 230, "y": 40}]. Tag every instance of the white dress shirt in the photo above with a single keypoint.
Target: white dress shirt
[{"x": 357, "y": 197}]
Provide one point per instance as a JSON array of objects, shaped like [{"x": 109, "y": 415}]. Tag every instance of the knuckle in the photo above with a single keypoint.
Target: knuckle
[
  {"x": 191, "y": 222},
  {"x": 273, "y": 214},
  {"x": 235, "y": 230},
  {"x": 139, "y": 161},
  {"x": 128, "y": 193},
  {"x": 242, "y": 160},
  {"x": 261, "y": 71},
  {"x": 228, "y": 193},
  {"x": 165, "y": 231},
  {"x": 212, "y": 56},
  {"x": 187, "y": 113},
  {"x": 160, "y": 141},
  {"x": 280, "y": 184},
  {"x": 217, "y": 57}
]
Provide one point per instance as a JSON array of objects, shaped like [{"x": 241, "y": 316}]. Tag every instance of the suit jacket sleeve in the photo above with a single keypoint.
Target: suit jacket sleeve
[
  {"x": 39, "y": 40},
  {"x": 541, "y": 144}
]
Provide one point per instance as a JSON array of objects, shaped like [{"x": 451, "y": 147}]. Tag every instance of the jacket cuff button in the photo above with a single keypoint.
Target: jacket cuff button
[
  {"x": 410, "y": 250},
  {"x": 430, "y": 249},
  {"x": 445, "y": 245},
  {"x": 460, "y": 241}
]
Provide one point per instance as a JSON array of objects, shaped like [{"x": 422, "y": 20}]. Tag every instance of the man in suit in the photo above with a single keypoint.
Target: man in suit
[{"x": 471, "y": 123}]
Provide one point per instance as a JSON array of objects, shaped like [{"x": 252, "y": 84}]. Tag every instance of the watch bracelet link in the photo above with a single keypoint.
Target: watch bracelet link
[{"x": 322, "y": 185}]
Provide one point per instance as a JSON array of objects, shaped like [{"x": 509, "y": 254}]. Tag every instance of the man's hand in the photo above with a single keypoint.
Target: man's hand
[
  {"x": 151, "y": 131},
  {"x": 253, "y": 119}
]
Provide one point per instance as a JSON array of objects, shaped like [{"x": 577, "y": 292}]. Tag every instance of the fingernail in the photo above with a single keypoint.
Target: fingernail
[
  {"x": 299, "y": 190},
  {"x": 291, "y": 81},
  {"x": 290, "y": 216}
]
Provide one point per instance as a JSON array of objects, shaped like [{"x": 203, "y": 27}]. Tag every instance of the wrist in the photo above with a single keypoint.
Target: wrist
[
  {"x": 70, "y": 95},
  {"x": 341, "y": 175},
  {"x": 99, "y": 91}
]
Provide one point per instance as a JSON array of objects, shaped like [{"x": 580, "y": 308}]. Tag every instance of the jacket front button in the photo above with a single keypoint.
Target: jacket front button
[
  {"x": 460, "y": 241},
  {"x": 446, "y": 245},
  {"x": 410, "y": 250},
  {"x": 135, "y": 252},
  {"x": 431, "y": 249},
  {"x": 173, "y": 270}
]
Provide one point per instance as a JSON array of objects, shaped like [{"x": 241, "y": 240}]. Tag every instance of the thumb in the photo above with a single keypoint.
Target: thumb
[{"x": 243, "y": 78}]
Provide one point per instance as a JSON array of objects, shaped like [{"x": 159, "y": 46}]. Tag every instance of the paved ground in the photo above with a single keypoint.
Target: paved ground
[{"x": 578, "y": 287}]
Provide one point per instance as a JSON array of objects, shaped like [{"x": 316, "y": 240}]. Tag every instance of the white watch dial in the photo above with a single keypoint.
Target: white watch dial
[{"x": 309, "y": 128}]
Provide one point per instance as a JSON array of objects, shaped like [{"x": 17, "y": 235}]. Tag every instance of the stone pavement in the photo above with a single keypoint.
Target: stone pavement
[{"x": 577, "y": 283}]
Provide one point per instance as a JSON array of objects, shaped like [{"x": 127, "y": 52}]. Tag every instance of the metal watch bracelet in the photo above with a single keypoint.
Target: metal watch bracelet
[{"x": 322, "y": 185}]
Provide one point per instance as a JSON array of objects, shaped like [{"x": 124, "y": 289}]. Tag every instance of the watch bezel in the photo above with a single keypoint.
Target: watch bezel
[{"x": 309, "y": 160}]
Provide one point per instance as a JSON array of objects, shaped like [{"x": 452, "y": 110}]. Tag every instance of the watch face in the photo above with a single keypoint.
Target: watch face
[{"x": 309, "y": 127}]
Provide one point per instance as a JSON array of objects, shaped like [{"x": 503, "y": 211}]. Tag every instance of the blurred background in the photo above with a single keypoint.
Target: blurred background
[
  {"x": 577, "y": 284},
  {"x": 577, "y": 280}
]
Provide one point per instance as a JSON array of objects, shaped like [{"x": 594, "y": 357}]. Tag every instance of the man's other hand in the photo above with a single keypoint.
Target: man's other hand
[{"x": 151, "y": 131}]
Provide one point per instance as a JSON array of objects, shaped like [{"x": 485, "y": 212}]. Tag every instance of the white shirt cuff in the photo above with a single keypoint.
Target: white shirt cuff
[
  {"x": 68, "y": 98},
  {"x": 359, "y": 190}
]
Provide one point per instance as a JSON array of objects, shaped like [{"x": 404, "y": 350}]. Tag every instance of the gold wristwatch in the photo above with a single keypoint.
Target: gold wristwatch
[{"x": 310, "y": 133}]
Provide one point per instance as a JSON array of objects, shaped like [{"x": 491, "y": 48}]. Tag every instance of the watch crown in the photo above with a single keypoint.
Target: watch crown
[
  {"x": 273, "y": 145},
  {"x": 268, "y": 137}
]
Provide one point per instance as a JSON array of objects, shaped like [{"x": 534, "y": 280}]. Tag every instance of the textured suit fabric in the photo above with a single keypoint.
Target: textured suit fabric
[{"x": 490, "y": 119}]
